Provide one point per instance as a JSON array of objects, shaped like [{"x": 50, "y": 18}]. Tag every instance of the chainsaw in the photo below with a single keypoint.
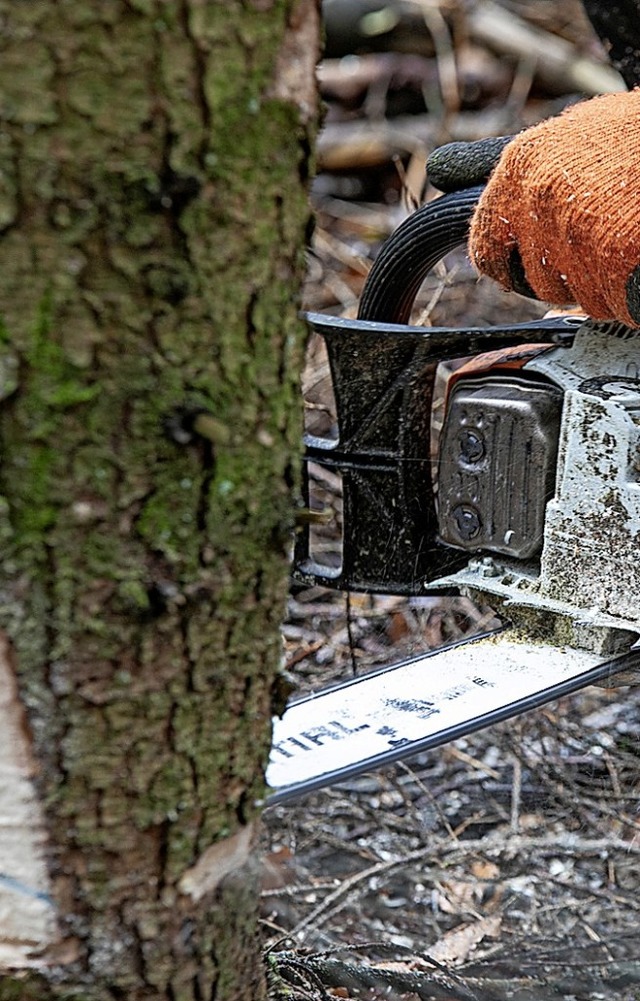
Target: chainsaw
[{"x": 501, "y": 463}]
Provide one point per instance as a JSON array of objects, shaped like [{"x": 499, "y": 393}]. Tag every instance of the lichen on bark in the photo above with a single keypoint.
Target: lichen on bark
[{"x": 153, "y": 214}]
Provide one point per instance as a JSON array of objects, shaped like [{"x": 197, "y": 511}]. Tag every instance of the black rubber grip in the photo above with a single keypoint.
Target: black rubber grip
[{"x": 411, "y": 251}]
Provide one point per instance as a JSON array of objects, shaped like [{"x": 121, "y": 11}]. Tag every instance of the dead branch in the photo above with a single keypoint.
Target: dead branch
[
  {"x": 361, "y": 145},
  {"x": 555, "y": 60}
]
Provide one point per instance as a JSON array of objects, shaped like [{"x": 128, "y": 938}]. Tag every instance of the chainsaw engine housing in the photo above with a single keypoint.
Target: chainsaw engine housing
[
  {"x": 497, "y": 459},
  {"x": 589, "y": 555}
]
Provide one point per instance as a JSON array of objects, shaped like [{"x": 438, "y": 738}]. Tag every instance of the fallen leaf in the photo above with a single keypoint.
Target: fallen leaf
[
  {"x": 483, "y": 869},
  {"x": 457, "y": 944}
]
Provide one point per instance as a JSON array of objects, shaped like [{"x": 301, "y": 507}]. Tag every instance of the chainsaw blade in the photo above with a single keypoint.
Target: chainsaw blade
[{"x": 421, "y": 703}]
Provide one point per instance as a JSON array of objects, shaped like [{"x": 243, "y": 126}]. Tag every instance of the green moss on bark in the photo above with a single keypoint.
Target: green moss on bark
[{"x": 154, "y": 221}]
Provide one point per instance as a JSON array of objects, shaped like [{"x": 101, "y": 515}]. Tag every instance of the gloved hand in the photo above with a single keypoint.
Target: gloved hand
[{"x": 560, "y": 215}]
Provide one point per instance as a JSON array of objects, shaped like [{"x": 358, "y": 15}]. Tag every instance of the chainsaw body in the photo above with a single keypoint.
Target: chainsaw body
[
  {"x": 528, "y": 488},
  {"x": 502, "y": 458}
]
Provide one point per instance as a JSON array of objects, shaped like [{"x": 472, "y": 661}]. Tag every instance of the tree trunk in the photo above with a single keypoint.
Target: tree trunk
[{"x": 153, "y": 161}]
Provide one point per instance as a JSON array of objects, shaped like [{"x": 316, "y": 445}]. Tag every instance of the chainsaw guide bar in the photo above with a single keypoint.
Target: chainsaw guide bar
[{"x": 421, "y": 703}]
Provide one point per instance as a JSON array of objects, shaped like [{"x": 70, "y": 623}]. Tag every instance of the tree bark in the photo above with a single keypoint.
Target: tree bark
[{"x": 153, "y": 164}]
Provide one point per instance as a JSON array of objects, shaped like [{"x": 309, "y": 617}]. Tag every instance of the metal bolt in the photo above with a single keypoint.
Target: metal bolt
[
  {"x": 488, "y": 568},
  {"x": 467, "y": 521},
  {"x": 472, "y": 447}
]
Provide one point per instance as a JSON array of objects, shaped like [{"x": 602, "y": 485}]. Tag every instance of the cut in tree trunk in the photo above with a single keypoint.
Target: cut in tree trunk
[{"x": 153, "y": 165}]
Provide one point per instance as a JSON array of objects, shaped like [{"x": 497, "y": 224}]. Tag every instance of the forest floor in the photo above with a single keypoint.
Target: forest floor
[{"x": 506, "y": 864}]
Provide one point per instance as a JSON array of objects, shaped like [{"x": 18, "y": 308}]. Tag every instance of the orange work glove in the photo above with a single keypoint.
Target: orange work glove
[{"x": 561, "y": 210}]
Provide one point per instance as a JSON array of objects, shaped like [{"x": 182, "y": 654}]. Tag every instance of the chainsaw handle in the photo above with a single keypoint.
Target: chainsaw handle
[{"x": 411, "y": 251}]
